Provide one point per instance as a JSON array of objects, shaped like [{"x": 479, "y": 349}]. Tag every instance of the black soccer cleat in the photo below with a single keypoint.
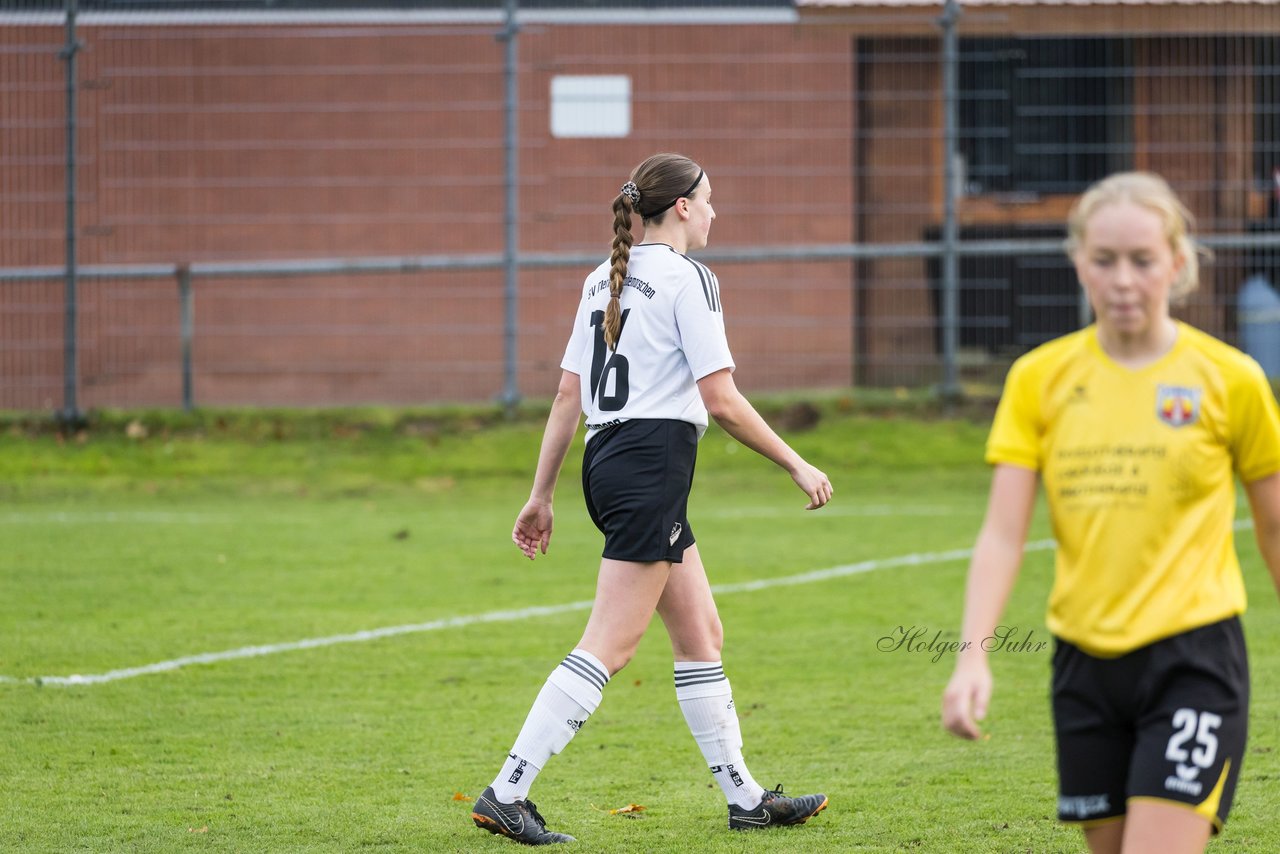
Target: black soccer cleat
[
  {"x": 520, "y": 821},
  {"x": 776, "y": 809}
]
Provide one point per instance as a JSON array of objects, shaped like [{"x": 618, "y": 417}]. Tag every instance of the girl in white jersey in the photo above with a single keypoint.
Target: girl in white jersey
[{"x": 647, "y": 361}]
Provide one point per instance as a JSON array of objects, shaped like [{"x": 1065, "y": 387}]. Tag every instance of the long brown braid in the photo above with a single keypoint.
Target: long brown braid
[{"x": 618, "y": 259}]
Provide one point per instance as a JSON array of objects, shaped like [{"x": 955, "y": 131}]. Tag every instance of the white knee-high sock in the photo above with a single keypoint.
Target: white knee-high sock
[
  {"x": 571, "y": 693},
  {"x": 707, "y": 702}
]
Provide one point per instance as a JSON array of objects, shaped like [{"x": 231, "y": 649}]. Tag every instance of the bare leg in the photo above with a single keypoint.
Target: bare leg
[
  {"x": 626, "y": 595},
  {"x": 689, "y": 611},
  {"x": 1105, "y": 838},
  {"x": 1164, "y": 828}
]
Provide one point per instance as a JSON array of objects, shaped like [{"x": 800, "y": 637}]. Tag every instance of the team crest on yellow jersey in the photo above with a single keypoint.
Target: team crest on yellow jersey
[{"x": 1177, "y": 405}]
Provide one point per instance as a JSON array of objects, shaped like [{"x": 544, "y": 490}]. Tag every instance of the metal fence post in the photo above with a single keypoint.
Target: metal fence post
[
  {"x": 511, "y": 250},
  {"x": 186, "y": 311},
  {"x": 70, "y": 414},
  {"x": 950, "y": 389}
]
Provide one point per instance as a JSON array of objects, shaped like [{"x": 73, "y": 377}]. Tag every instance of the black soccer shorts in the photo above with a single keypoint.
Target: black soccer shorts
[
  {"x": 636, "y": 477},
  {"x": 1166, "y": 722}
]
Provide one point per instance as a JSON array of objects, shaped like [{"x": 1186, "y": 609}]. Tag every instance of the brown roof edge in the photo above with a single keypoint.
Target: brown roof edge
[{"x": 1048, "y": 17}]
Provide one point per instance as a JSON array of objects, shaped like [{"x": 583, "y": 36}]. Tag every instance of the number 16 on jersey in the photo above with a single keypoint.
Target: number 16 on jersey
[{"x": 604, "y": 363}]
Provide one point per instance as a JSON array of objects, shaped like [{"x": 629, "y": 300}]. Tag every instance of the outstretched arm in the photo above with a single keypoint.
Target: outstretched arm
[
  {"x": 740, "y": 420},
  {"x": 533, "y": 526},
  {"x": 1264, "y": 500},
  {"x": 993, "y": 569}
]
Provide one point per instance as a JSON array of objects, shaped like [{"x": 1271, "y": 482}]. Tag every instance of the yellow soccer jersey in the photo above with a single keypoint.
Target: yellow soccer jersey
[{"x": 1137, "y": 466}]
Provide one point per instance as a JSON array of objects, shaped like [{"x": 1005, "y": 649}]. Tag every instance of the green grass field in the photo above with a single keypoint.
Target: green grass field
[{"x": 216, "y": 534}]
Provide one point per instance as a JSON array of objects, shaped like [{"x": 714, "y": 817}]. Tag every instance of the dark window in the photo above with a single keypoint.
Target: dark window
[
  {"x": 1044, "y": 116},
  {"x": 1009, "y": 303}
]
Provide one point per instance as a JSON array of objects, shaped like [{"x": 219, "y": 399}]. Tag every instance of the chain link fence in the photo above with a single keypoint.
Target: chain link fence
[{"x": 314, "y": 204}]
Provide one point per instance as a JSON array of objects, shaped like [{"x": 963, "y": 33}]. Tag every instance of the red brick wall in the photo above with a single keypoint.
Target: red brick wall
[{"x": 217, "y": 143}]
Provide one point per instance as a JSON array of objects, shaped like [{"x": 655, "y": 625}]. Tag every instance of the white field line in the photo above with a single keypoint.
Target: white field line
[
  {"x": 490, "y": 617},
  {"x": 309, "y": 643},
  {"x": 918, "y": 559}
]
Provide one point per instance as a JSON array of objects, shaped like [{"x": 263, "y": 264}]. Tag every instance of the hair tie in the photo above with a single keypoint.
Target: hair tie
[{"x": 632, "y": 192}]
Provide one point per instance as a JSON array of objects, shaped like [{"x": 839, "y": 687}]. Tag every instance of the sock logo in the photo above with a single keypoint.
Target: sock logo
[
  {"x": 730, "y": 706},
  {"x": 575, "y": 725},
  {"x": 518, "y": 773},
  {"x": 675, "y": 533},
  {"x": 730, "y": 770}
]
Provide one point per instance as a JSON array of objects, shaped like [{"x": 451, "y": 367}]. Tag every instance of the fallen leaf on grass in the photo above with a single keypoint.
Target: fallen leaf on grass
[
  {"x": 629, "y": 808},
  {"x": 458, "y": 796},
  {"x": 204, "y": 829}
]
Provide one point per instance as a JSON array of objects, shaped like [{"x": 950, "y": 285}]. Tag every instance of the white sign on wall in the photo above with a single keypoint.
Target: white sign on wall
[{"x": 597, "y": 105}]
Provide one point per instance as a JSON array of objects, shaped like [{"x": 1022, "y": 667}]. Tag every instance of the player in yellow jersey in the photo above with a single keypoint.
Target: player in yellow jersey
[{"x": 1137, "y": 426}]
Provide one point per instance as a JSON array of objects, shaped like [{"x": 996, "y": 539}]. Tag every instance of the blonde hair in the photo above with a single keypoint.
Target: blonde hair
[
  {"x": 658, "y": 182},
  {"x": 1153, "y": 193}
]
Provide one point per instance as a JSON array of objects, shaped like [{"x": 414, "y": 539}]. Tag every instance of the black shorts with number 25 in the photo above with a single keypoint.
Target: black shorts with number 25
[
  {"x": 1165, "y": 722},
  {"x": 636, "y": 477}
]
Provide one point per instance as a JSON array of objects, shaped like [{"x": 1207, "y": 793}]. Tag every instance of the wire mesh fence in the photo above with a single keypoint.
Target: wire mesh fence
[{"x": 307, "y": 140}]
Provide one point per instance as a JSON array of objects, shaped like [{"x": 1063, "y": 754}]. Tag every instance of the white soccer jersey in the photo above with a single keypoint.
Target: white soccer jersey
[{"x": 672, "y": 336}]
